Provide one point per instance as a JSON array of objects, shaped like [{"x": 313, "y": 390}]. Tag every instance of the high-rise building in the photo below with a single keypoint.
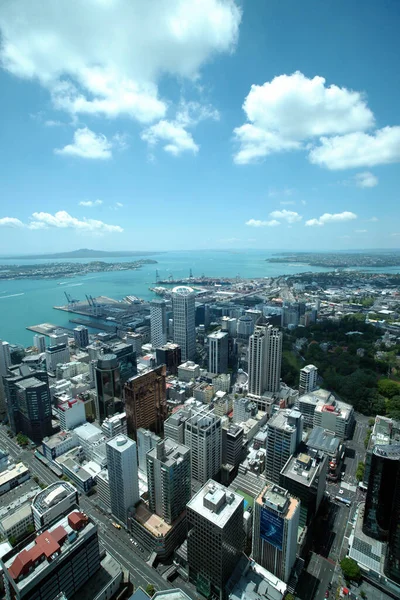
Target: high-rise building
[
  {"x": 204, "y": 438},
  {"x": 145, "y": 441},
  {"x": 158, "y": 323},
  {"x": 308, "y": 379},
  {"x": 126, "y": 357},
  {"x": 29, "y": 404},
  {"x": 218, "y": 352},
  {"x": 5, "y": 362},
  {"x": 284, "y": 434},
  {"x": 145, "y": 401},
  {"x": 183, "y": 307},
  {"x": 123, "y": 476},
  {"x": 168, "y": 479},
  {"x": 81, "y": 336},
  {"x": 243, "y": 409},
  {"x": 169, "y": 355},
  {"x": 215, "y": 539},
  {"x": 114, "y": 425},
  {"x": 174, "y": 426},
  {"x": 71, "y": 414},
  {"x": 275, "y": 524},
  {"x": 265, "y": 360},
  {"x": 245, "y": 327},
  {"x": 108, "y": 387},
  {"x": 58, "y": 354},
  {"x": 232, "y": 445},
  {"x": 39, "y": 341}
]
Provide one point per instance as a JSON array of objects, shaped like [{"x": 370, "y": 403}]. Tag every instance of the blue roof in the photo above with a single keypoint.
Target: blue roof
[{"x": 139, "y": 594}]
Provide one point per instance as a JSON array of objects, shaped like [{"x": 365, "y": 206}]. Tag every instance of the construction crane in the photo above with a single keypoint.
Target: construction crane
[{"x": 71, "y": 301}]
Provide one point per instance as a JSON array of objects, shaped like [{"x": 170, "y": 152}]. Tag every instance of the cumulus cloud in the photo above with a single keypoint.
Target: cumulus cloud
[
  {"x": 287, "y": 215},
  {"x": 106, "y": 58},
  {"x": 358, "y": 149},
  {"x": 87, "y": 144},
  {"x": 331, "y": 218},
  {"x": 61, "y": 220},
  {"x": 90, "y": 203},
  {"x": 119, "y": 204},
  {"x": 177, "y": 139},
  {"x": 366, "y": 180},
  {"x": 258, "y": 223},
  {"x": 285, "y": 112}
]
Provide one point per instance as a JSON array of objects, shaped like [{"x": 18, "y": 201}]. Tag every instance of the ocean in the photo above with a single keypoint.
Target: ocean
[{"x": 30, "y": 302}]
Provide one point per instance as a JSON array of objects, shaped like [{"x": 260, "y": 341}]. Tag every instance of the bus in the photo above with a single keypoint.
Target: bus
[{"x": 345, "y": 501}]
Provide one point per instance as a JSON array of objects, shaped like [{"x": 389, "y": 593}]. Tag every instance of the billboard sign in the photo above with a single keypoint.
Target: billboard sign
[{"x": 271, "y": 528}]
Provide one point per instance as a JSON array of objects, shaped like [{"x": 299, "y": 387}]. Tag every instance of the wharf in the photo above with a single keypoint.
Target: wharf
[
  {"x": 48, "y": 328},
  {"x": 94, "y": 325}
]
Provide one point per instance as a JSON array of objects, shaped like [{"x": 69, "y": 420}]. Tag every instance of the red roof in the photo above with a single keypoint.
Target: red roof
[
  {"x": 76, "y": 520},
  {"x": 46, "y": 544}
]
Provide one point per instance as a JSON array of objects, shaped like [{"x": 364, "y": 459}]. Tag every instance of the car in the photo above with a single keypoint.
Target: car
[
  {"x": 340, "y": 492},
  {"x": 327, "y": 594}
]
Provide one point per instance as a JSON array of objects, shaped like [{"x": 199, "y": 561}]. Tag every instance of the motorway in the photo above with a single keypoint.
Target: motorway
[{"x": 116, "y": 542}]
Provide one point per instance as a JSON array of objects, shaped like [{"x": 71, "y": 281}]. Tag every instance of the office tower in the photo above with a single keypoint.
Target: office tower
[
  {"x": 284, "y": 434},
  {"x": 253, "y": 314},
  {"x": 265, "y": 360},
  {"x": 59, "y": 560},
  {"x": 58, "y": 336},
  {"x": 58, "y": 354},
  {"x": 29, "y": 404},
  {"x": 55, "y": 500},
  {"x": 290, "y": 314},
  {"x": 145, "y": 401},
  {"x": 39, "y": 341},
  {"x": 145, "y": 441},
  {"x": 215, "y": 539},
  {"x": 204, "y": 438},
  {"x": 275, "y": 524},
  {"x": 108, "y": 387},
  {"x": 115, "y": 425},
  {"x": 218, "y": 352},
  {"x": 169, "y": 355},
  {"x": 232, "y": 445},
  {"x": 245, "y": 327},
  {"x": 304, "y": 477},
  {"x": 123, "y": 476},
  {"x": 174, "y": 426},
  {"x": 158, "y": 323},
  {"x": 71, "y": 414},
  {"x": 168, "y": 479},
  {"x": 243, "y": 409},
  {"x": 81, "y": 336},
  {"x": 308, "y": 379},
  {"x": 183, "y": 307},
  {"x": 5, "y": 362},
  {"x": 274, "y": 357},
  {"x": 126, "y": 358}
]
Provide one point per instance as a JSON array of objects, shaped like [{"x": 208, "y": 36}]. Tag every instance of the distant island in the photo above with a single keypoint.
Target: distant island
[
  {"x": 82, "y": 253},
  {"x": 67, "y": 269},
  {"x": 340, "y": 260}
]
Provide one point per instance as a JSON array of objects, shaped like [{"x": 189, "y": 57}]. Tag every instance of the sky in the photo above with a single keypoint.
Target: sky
[{"x": 199, "y": 124}]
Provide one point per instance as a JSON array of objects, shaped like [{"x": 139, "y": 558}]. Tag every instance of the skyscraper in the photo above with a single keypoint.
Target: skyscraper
[
  {"x": 203, "y": 436},
  {"x": 39, "y": 341},
  {"x": 168, "y": 478},
  {"x": 145, "y": 401},
  {"x": 308, "y": 379},
  {"x": 5, "y": 362},
  {"x": 183, "y": 307},
  {"x": 108, "y": 387},
  {"x": 284, "y": 431},
  {"x": 158, "y": 323},
  {"x": 123, "y": 476},
  {"x": 81, "y": 336},
  {"x": 275, "y": 524},
  {"x": 215, "y": 539},
  {"x": 265, "y": 360},
  {"x": 169, "y": 355},
  {"x": 218, "y": 352}
]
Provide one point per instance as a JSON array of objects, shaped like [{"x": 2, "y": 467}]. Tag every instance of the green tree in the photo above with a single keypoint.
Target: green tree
[
  {"x": 30, "y": 529},
  {"x": 150, "y": 589},
  {"x": 22, "y": 440},
  {"x": 350, "y": 568},
  {"x": 12, "y": 540},
  {"x": 360, "y": 471},
  {"x": 388, "y": 388},
  {"x": 363, "y": 594}
]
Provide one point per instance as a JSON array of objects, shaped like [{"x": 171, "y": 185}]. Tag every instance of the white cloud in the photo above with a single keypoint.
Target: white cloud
[
  {"x": 10, "y": 222},
  {"x": 273, "y": 192},
  {"x": 63, "y": 220},
  {"x": 119, "y": 204},
  {"x": 106, "y": 58},
  {"x": 177, "y": 139},
  {"x": 361, "y": 230},
  {"x": 258, "y": 223},
  {"x": 90, "y": 203},
  {"x": 287, "y": 202},
  {"x": 358, "y": 149},
  {"x": 88, "y": 144},
  {"x": 283, "y": 113},
  {"x": 372, "y": 220},
  {"x": 331, "y": 218},
  {"x": 366, "y": 179},
  {"x": 288, "y": 215}
]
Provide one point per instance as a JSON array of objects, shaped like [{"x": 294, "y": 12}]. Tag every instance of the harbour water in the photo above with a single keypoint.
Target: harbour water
[{"x": 30, "y": 302}]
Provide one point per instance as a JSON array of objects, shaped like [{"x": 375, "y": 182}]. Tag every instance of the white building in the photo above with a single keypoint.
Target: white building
[
  {"x": 39, "y": 341},
  {"x": 115, "y": 425},
  {"x": 275, "y": 526},
  {"x": 71, "y": 369},
  {"x": 58, "y": 354},
  {"x": 218, "y": 352},
  {"x": 265, "y": 360},
  {"x": 188, "y": 370},
  {"x": 146, "y": 440},
  {"x": 203, "y": 436},
  {"x": 52, "y": 502},
  {"x": 183, "y": 306},
  {"x": 93, "y": 443},
  {"x": 158, "y": 323},
  {"x": 308, "y": 379},
  {"x": 243, "y": 409},
  {"x": 332, "y": 414},
  {"x": 229, "y": 324},
  {"x": 103, "y": 489},
  {"x": 58, "y": 337},
  {"x": 123, "y": 476},
  {"x": 284, "y": 429},
  {"x": 71, "y": 414}
]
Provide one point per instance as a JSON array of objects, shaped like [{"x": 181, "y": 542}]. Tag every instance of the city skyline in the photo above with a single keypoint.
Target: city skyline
[{"x": 225, "y": 123}]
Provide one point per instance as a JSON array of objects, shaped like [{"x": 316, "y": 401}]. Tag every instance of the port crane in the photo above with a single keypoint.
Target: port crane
[
  {"x": 71, "y": 301},
  {"x": 93, "y": 305}
]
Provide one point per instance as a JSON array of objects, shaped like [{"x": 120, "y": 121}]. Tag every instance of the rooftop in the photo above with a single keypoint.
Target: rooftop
[
  {"x": 21, "y": 513},
  {"x": 52, "y": 495},
  {"x": 322, "y": 439},
  {"x": 16, "y": 471},
  {"x": 120, "y": 443},
  {"x": 58, "y": 438},
  {"x": 277, "y": 498},
  {"x": 251, "y": 582},
  {"x": 217, "y": 335},
  {"x": 88, "y": 432},
  {"x": 301, "y": 468},
  {"x": 368, "y": 552},
  {"x": 171, "y": 452},
  {"x": 215, "y": 503},
  {"x": 155, "y": 524}
]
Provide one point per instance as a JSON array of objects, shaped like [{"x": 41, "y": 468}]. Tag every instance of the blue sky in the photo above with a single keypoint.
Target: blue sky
[{"x": 152, "y": 125}]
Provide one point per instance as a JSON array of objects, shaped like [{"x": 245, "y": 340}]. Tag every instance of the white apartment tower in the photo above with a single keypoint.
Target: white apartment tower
[
  {"x": 123, "y": 476},
  {"x": 284, "y": 434},
  {"x": 39, "y": 341},
  {"x": 308, "y": 379},
  {"x": 158, "y": 323},
  {"x": 183, "y": 308},
  {"x": 218, "y": 352},
  {"x": 265, "y": 359},
  {"x": 275, "y": 524},
  {"x": 203, "y": 436}
]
